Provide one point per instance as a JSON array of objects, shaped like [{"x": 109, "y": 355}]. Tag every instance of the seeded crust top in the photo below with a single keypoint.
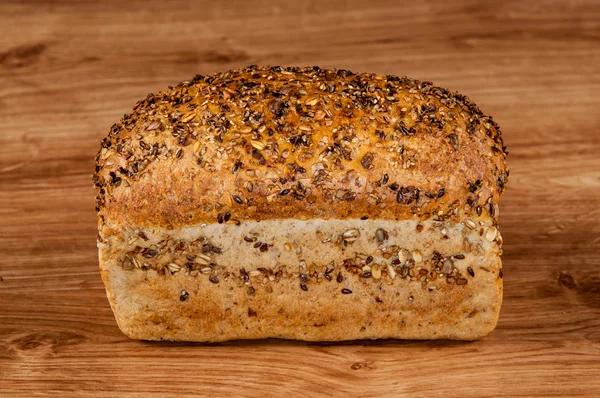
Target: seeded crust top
[{"x": 272, "y": 142}]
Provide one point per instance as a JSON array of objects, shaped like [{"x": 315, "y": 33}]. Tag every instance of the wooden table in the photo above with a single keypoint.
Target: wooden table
[{"x": 68, "y": 70}]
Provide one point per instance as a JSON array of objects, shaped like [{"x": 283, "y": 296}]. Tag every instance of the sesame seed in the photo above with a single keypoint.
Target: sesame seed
[
  {"x": 257, "y": 144},
  {"x": 346, "y": 291},
  {"x": 203, "y": 259},
  {"x": 188, "y": 117},
  {"x": 303, "y": 287},
  {"x": 471, "y": 224}
]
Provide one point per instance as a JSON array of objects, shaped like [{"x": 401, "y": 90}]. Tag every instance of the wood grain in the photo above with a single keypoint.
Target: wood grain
[{"x": 69, "y": 69}]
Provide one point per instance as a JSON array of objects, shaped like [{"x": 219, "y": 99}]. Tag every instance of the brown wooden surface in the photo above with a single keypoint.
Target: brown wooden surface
[{"x": 69, "y": 69}]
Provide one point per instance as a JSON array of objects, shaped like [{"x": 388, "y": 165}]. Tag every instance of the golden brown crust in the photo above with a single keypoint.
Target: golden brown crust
[{"x": 274, "y": 143}]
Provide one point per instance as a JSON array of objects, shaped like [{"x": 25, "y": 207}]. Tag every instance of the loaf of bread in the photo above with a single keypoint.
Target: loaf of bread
[{"x": 302, "y": 203}]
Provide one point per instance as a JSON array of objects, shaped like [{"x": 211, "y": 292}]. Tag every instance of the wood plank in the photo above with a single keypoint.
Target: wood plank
[{"x": 70, "y": 69}]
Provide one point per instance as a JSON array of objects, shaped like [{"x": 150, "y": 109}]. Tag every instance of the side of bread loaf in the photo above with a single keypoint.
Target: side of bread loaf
[{"x": 302, "y": 203}]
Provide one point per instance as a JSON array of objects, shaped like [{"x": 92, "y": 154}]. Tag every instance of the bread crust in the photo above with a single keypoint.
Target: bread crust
[
  {"x": 272, "y": 143},
  {"x": 311, "y": 280},
  {"x": 228, "y": 206}
]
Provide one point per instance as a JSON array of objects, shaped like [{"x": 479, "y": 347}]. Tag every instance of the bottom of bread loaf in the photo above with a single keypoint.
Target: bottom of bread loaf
[{"x": 314, "y": 280}]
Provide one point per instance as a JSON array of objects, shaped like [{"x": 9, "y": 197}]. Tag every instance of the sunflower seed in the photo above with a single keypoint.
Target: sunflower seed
[
  {"x": 312, "y": 101},
  {"x": 448, "y": 266},
  {"x": 491, "y": 234},
  {"x": 376, "y": 272},
  {"x": 319, "y": 115},
  {"x": 391, "y": 271},
  {"x": 417, "y": 256},
  {"x": 402, "y": 255}
]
